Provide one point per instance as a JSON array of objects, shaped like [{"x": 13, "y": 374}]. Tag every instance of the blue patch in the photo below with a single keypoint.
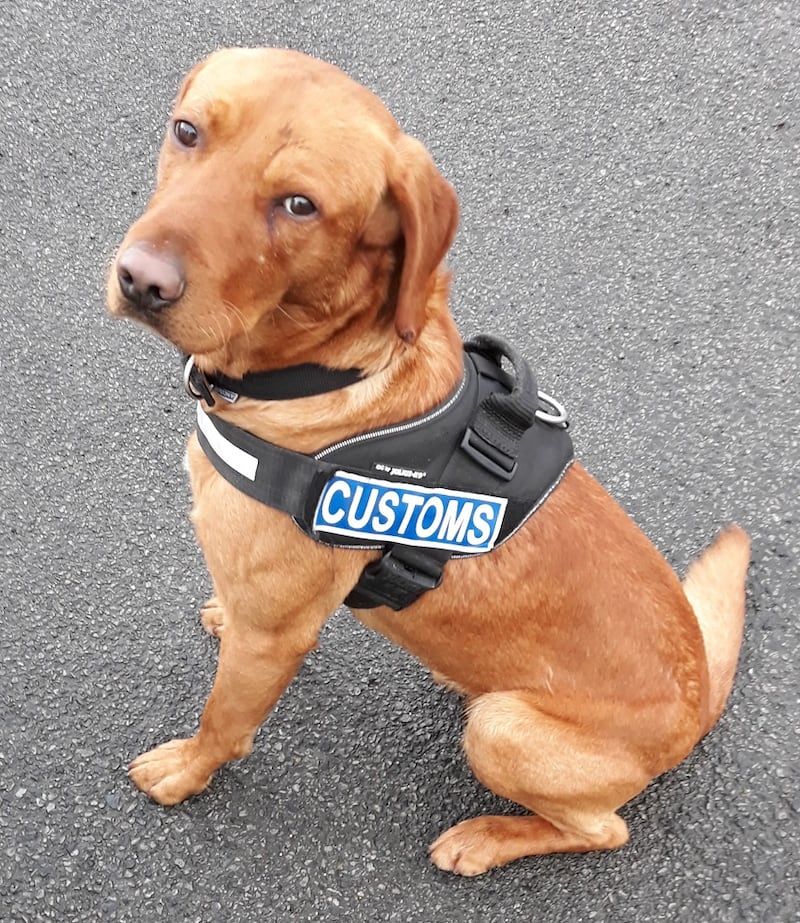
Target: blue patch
[{"x": 386, "y": 511}]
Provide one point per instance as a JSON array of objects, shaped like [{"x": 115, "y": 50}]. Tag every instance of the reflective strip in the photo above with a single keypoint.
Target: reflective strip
[{"x": 234, "y": 457}]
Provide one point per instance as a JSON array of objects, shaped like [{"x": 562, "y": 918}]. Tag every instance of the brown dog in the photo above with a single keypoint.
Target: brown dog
[{"x": 294, "y": 223}]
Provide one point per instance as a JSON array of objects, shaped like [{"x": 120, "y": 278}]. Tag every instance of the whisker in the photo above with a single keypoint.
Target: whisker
[
  {"x": 207, "y": 332},
  {"x": 225, "y": 339},
  {"x": 240, "y": 317},
  {"x": 294, "y": 319}
]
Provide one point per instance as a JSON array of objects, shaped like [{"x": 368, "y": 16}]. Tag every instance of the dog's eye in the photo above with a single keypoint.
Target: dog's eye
[
  {"x": 299, "y": 206},
  {"x": 185, "y": 132}
]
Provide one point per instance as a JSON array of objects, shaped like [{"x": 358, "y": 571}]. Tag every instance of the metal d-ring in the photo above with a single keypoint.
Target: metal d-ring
[
  {"x": 187, "y": 376},
  {"x": 204, "y": 392},
  {"x": 559, "y": 418}
]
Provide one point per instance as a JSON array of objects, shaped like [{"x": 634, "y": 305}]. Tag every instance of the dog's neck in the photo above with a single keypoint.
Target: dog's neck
[{"x": 399, "y": 382}]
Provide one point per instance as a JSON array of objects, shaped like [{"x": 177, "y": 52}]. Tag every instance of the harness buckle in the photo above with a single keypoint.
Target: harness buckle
[
  {"x": 488, "y": 456},
  {"x": 395, "y": 582}
]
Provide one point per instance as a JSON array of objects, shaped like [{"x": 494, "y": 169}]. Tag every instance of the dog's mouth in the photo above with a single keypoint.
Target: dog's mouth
[{"x": 190, "y": 327}]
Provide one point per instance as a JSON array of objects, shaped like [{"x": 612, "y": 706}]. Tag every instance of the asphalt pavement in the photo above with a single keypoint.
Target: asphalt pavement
[{"x": 628, "y": 174}]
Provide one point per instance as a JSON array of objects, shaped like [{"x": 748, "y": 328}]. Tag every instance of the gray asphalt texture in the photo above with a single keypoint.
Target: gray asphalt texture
[{"x": 628, "y": 174}]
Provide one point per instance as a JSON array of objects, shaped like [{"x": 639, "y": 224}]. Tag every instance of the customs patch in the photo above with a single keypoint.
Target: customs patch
[{"x": 388, "y": 511}]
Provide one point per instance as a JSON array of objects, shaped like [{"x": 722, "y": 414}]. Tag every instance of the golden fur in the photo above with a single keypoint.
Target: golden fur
[{"x": 585, "y": 667}]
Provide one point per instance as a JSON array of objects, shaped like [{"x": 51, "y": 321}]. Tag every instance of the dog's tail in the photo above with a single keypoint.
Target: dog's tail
[{"x": 715, "y": 587}]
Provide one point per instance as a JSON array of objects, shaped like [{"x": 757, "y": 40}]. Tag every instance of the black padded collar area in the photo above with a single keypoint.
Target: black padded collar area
[{"x": 305, "y": 380}]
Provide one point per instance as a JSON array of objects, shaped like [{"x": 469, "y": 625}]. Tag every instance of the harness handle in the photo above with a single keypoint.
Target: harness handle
[{"x": 501, "y": 420}]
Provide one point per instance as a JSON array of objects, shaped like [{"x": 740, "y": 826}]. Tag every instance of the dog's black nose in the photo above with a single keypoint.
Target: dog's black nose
[{"x": 149, "y": 279}]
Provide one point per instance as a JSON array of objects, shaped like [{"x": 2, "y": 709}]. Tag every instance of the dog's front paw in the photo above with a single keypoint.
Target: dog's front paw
[
  {"x": 470, "y": 848},
  {"x": 171, "y": 772},
  {"x": 212, "y": 615}
]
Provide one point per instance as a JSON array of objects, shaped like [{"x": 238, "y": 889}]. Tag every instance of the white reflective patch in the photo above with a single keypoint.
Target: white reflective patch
[
  {"x": 408, "y": 514},
  {"x": 234, "y": 457}
]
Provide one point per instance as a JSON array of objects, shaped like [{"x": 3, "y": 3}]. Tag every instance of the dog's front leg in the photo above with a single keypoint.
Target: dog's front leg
[{"x": 255, "y": 666}]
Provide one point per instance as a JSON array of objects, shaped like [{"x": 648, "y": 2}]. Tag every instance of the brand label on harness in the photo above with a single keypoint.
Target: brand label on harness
[{"x": 409, "y": 515}]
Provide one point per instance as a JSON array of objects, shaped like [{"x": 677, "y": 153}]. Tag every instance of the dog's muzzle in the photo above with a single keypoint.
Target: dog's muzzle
[{"x": 149, "y": 279}]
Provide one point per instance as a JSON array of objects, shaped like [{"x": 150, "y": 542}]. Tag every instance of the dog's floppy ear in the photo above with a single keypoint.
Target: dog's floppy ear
[{"x": 428, "y": 210}]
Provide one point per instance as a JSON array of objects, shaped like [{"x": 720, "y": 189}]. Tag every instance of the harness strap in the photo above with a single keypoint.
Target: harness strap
[
  {"x": 398, "y": 578},
  {"x": 286, "y": 481},
  {"x": 273, "y": 475},
  {"x": 501, "y": 420},
  {"x": 491, "y": 442}
]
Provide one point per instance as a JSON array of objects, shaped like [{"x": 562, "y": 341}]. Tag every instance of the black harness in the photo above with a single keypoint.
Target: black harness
[{"x": 454, "y": 482}]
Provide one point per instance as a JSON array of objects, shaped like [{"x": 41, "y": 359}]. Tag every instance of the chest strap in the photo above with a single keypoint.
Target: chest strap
[{"x": 275, "y": 476}]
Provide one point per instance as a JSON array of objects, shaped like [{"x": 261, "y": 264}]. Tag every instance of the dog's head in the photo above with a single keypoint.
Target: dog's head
[{"x": 289, "y": 208}]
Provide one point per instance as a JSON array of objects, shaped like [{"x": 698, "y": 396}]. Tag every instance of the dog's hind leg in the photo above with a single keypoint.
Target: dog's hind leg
[{"x": 572, "y": 779}]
